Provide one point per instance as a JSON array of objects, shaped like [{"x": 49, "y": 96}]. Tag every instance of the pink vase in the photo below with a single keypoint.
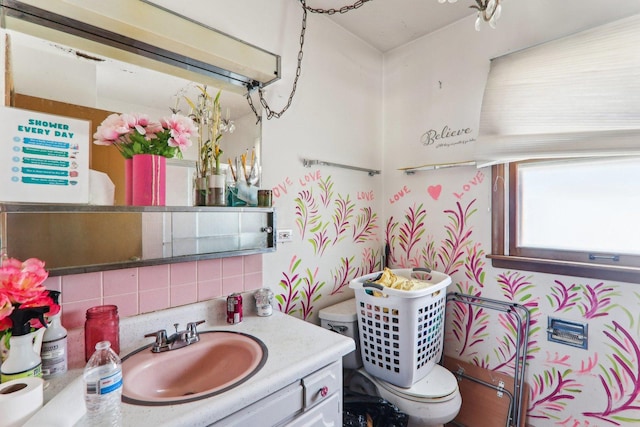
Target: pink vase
[
  {"x": 148, "y": 180},
  {"x": 128, "y": 182}
]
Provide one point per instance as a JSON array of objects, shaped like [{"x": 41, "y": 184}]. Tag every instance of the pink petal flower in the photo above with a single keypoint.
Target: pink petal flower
[
  {"x": 22, "y": 282},
  {"x": 6, "y": 308},
  {"x": 181, "y": 141}
]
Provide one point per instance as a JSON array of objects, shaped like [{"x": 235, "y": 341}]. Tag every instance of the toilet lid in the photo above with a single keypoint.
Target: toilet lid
[{"x": 439, "y": 384}]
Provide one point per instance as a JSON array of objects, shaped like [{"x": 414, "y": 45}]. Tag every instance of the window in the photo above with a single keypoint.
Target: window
[{"x": 578, "y": 217}]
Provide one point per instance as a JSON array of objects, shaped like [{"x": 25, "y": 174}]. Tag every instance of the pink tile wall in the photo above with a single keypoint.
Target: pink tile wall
[
  {"x": 146, "y": 289},
  {"x": 142, "y": 290}
]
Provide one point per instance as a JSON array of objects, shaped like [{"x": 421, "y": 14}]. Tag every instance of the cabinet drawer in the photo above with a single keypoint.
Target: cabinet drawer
[
  {"x": 326, "y": 414},
  {"x": 322, "y": 384},
  {"x": 270, "y": 411}
]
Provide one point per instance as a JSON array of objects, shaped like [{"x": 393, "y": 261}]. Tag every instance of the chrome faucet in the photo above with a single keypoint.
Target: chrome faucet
[{"x": 177, "y": 340}]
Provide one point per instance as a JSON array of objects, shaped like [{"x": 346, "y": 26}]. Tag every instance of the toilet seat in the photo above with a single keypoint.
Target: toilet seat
[{"x": 440, "y": 385}]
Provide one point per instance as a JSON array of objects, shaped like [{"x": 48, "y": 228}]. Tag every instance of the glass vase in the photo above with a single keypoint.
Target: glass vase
[
  {"x": 216, "y": 190},
  {"x": 201, "y": 191}
]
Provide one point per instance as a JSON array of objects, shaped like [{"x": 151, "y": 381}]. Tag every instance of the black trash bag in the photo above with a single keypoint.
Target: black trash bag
[{"x": 358, "y": 408}]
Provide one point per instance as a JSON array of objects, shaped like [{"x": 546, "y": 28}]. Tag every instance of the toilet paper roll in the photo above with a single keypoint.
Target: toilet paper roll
[{"x": 20, "y": 399}]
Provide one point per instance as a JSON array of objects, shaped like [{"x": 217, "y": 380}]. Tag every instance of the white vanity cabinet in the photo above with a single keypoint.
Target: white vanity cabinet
[{"x": 314, "y": 400}]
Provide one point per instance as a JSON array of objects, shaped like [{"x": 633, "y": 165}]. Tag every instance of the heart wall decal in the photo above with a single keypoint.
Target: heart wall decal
[{"x": 434, "y": 191}]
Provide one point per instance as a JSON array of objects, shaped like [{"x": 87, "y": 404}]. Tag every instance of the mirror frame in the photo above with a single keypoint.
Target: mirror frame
[{"x": 259, "y": 67}]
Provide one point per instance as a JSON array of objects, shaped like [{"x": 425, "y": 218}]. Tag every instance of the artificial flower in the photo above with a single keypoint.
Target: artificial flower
[
  {"x": 207, "y": 112},
  {"x": 135, "y": 134},
  {"x": 21, "y": 287}
]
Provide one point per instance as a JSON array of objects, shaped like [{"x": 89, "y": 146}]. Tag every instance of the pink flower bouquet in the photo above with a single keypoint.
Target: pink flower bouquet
[
  {"x": 135, "y": 134},
  {"x": 21, "y": 287}
]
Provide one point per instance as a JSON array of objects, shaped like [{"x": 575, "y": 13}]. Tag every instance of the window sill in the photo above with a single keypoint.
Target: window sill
[{"x": 567, "y": 268}]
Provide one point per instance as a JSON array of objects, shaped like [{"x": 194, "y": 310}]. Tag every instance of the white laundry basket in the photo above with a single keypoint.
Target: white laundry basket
[{"x": 401, "y": 332}]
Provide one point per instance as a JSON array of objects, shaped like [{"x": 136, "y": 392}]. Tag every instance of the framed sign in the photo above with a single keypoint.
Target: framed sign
[{"x": 43, "y": 158}]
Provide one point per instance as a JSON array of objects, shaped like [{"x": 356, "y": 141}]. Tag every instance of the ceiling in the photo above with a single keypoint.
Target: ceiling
[{"x": 386, "y": 27}]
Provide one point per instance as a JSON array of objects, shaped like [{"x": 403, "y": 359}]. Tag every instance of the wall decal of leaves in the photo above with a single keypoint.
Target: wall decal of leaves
[
  {"x": 342, "y": 215},
  {"x": 453, "y": 247},
  {"x": 326, "y": 191},
  {"x": 429, "y": 255},
  {"x": 310, "y": 293},
  {"x": 288, "y": 298},
  {"x": 550, "y": 393},
  {"x": 596, "y": 300},
  {"x": 620, "y": 380},
  {"x": 320, "y": 239},
  {"x": 365, "y": 226},
  {"x": 411, "y": 231},
  {"x": 468, "y": 325},
  {"x": 474, "y": 265},
  {"x": 306, "y": 211},
  {"x": 562, "y": 297},
  {"x": 516, "y": 288},
  {"x": 371, "y": 261},
  {"x": 342, "y": 275},
  {"x": 558, "y": 360},
  {"x": 390, "y": 238}
]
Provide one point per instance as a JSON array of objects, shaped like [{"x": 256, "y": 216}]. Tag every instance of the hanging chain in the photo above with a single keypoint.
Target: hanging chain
[{"x": 277, "y": 114}]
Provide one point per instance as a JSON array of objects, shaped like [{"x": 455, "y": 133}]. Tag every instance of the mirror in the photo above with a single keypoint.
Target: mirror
[
  {"x": 76, "y": 239},
  {"x": 77, "y": 58},
  {"x": 84, "y": 79}
]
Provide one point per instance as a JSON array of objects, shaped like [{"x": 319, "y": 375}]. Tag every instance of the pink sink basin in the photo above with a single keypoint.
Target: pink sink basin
[{"x": 220, "y": 361}]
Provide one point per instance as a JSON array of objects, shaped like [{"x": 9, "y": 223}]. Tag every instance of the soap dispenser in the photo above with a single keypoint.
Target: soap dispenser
[
  {"x": 54, "y": 344},
  {"x": 24, "y": 353}
]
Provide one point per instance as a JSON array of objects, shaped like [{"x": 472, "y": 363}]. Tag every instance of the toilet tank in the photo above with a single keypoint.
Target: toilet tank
[{"x": 341, "y": 318}]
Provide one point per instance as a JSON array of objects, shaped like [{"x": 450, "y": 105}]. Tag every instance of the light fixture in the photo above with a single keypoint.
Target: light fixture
[
  {"x": 227, "y": 125},
  {"x": 488, "y": 11}
]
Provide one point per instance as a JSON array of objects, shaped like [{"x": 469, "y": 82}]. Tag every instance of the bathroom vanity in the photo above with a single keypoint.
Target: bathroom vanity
[{"x": 300, "y": 383}]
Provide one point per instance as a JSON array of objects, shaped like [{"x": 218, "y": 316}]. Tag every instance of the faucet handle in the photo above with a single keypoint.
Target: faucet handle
[
  {"x": 161, "y": 340},
  {"x": 192, "y": 330}
]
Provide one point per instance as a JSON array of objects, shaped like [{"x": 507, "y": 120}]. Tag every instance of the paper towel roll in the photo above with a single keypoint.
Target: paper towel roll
[
  {"x": 101, "y": 188},
  {"x": 20, "y": 399}
]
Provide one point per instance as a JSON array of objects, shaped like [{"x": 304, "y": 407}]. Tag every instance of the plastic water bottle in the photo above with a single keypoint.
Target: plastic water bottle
[{"x": 103, "y": 387}]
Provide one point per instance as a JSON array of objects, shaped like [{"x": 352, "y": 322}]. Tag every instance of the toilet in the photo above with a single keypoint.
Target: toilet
[{"x": 432, "y": 401}]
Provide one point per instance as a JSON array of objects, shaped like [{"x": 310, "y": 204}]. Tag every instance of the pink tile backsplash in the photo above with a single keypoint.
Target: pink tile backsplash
[
  {"x": 209, "y": 289},
  {"x": 127, "y": 304},
  {"x": 252, "y": 264},
  {"x": 80, "y": 287},
  {"x": 210, "y": 269},
  {"x": 232, "y": 267},
  {"x": 75, "y": 313},
  {"x": 183, "y": 273},
  {"x": 185, "y": 294},
  {"x": 253, "y": 281},
  {"x": 155, "y": 299},
  {"x": 118, "y": 282},
  {"x": 146, "y": 289},
  {"x": 232, "y": 284},
  {"x": 153, "y": 277}
]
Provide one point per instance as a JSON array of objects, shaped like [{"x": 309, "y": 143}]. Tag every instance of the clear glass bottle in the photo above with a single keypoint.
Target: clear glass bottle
[
  {"x": 102, "y": 324},
  {"x": 103, "y": 387}
]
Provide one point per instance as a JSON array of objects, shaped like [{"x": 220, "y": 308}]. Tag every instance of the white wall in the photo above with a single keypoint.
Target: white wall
[
  {"x": 335, "y": 116},
  {"x": 438, "y": 81}
]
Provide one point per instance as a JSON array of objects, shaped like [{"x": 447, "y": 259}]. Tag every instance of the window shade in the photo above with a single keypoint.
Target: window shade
[{"x": 572, "y": 97}]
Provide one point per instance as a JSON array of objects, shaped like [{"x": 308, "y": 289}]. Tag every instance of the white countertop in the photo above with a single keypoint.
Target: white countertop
[{"x": 295, "y": 349}]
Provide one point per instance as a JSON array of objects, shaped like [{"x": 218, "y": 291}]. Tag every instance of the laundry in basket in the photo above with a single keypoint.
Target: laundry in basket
[{"x": 401, "y": 331}]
